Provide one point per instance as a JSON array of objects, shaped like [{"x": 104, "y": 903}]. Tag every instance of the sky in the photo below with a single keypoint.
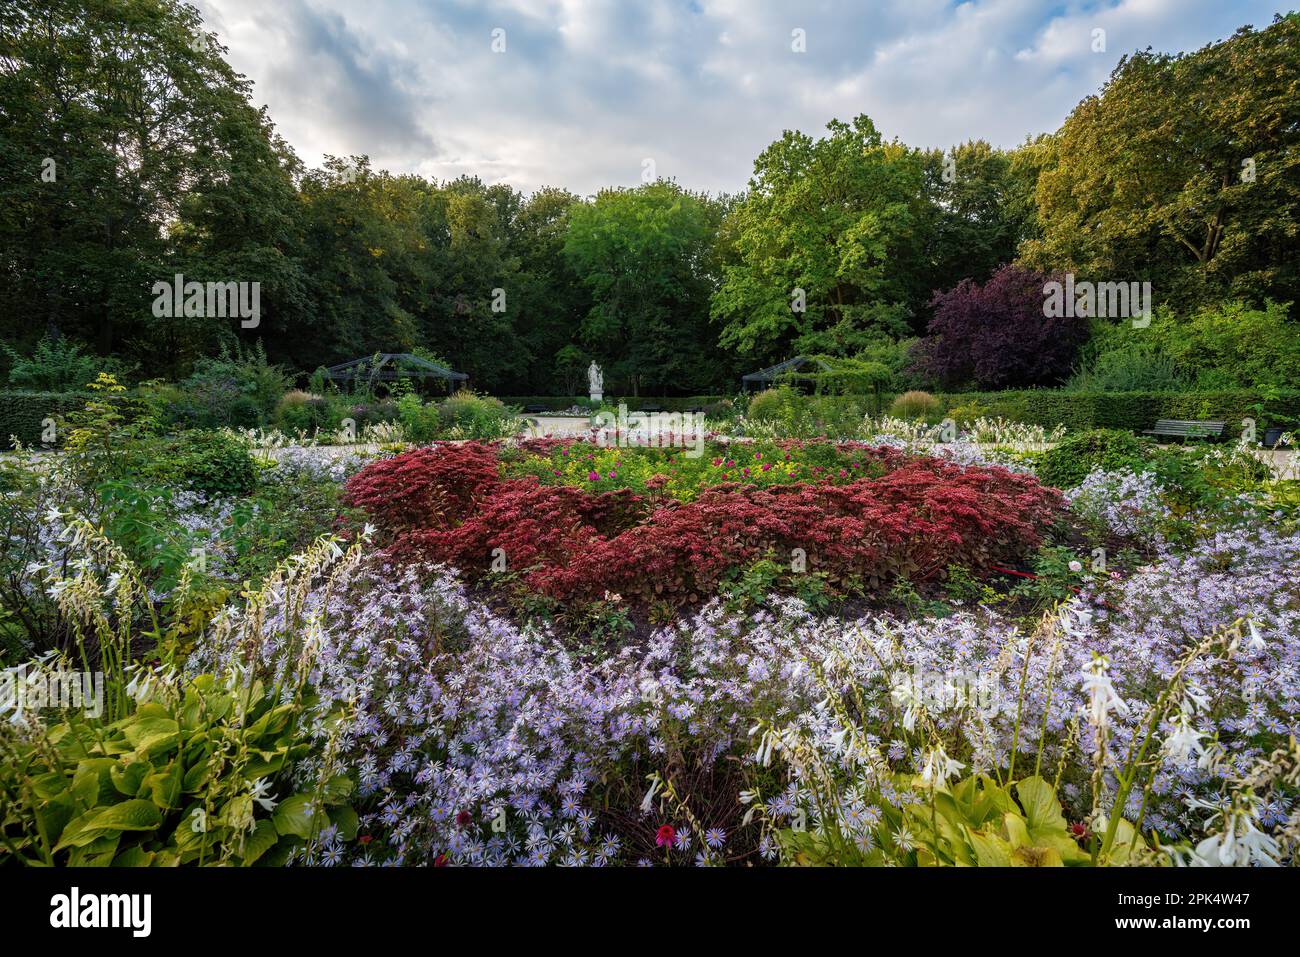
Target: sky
[{"x": 582, "y": 94}]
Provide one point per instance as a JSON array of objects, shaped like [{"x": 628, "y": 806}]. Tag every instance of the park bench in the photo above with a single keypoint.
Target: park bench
[{"x": 1186, "y": 429}]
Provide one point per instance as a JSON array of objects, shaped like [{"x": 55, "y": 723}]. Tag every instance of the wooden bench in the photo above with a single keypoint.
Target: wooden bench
[{"x": 1186, "y": 429}]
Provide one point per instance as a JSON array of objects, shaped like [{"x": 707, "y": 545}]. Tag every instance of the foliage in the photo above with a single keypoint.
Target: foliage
[
  {"x": 644, "y": 255},
  {"x": 211, "y": 464},
  {"x": 27, "y": 415},
  {"x": 56, "y": 364},
  {"x": 996, "y": 335},
  {"x": 1234, "y": 346},
  {"x": 914, "y": 405},
  {"x": 187, "y": 779},
  {"x": 912, "y": 521},
  {"x": 1212, "y": 217},
  {"x": 1111, "y": 450},
  {"x": 836, "y": 218},
  {"x": 239, "y": 388},
  {"x": 1135, "y": 411}
]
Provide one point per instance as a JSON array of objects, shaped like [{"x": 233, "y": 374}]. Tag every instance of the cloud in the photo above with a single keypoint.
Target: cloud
[{"x": 585, "y": 90}]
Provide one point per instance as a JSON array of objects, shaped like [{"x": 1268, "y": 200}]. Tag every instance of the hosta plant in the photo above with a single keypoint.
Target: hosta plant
[{"x": 197, "y": 776}]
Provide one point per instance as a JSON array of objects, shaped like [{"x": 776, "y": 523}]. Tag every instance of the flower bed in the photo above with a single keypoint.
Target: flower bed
[{"x": 862, "y": 517}]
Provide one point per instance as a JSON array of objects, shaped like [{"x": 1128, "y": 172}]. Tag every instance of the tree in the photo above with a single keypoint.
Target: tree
[
  {"x": 1184, "y": 171},
  {"x": 644, "y": 255},
  {"x": 822, "y": 244},
  {"x": 979, "y": 209},
  {"x": 130, "y": 152},
  {"x": 996, "y": 335}
]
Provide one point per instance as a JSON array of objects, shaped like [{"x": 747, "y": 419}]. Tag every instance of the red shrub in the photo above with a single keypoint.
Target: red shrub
[
  {"x": 912, "y": 522},
  {"x": 424, "y": 487}
]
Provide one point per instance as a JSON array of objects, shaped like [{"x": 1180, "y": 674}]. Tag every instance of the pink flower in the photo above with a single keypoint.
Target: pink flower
[
  {"x": 593, "y": 476},
  {"x": 665, "y": 836}
]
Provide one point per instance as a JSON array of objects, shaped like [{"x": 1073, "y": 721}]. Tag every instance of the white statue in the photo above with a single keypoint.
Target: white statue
[{"x": 596, "y": 380}]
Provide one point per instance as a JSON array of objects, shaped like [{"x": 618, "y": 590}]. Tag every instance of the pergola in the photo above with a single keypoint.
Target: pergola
[
  {"x": 782, "y": 371},
  {"x": 390, "y": 366}
]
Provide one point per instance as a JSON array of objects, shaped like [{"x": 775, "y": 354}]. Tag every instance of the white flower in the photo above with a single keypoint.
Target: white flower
[
  {"x": 1102, "y": 697},
  {"x": 1256, "y": 642},
  {"x": 1076, "y": 566},
  {"x": 647, "y": 802},
  {"x": 260, "y": 795},
  {"x": 938, "y": 768},
  {"x": 1185, "y": 740}
]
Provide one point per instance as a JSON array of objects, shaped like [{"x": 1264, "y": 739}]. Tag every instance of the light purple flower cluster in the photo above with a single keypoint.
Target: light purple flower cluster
[
  {"x": 475, "y": 741},
  {"x": 1125, "y": 502}
]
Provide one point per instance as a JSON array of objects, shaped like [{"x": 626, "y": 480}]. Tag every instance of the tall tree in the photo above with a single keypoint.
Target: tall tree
[
  {"x": 130, "y": 151},
  {"x": 822, "y": 244},
  {"x": 645, "y": 254},
  {"x": 1185, "y": 171}
]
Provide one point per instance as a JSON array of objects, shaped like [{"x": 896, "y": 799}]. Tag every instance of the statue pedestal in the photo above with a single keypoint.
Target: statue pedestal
[{"x": 597, "y": 397}]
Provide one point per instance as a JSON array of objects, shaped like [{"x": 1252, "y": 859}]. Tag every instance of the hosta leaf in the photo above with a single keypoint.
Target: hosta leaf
[
  {"x": 134, "y": 815},
  {"x": 1042, "y": 810},
  {"x": 127, "y": 777},
  {"x": 153, "y": 736},
  {"x": 990, "y": 850},
  {"x": 261, "y": 840},
  {"x": 294, "y": 816}
]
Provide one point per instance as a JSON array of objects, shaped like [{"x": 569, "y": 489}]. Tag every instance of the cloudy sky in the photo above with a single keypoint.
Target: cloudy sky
[{"x": 585, "y": 91}]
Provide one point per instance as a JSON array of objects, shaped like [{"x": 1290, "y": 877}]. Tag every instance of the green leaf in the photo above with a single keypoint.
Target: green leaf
[
  {"x": 294, "y": 816},
  {"x": 1042, "y": 809},
  {"x": 261, "y": 840},
  {"x": 134, "y": 815},
  {"x": 344, "y": 817},
  {"x": 990, "y": 850},
  {"x": 165, "y": 786},
  {"x": 128, "y": 776},
  {"x": 153, "y": 736}
]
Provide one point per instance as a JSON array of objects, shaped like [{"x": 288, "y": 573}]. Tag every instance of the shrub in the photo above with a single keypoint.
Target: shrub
[
  {"x": 212, "y": 463},
  {"x": 572, "y": 544},
  {"x": 1233, "y": 345},
  {"x": 420, "y": 422},
  {"x": 1111, "y": 450},
  {"x": 417, "y": 489},
  {"x": 767, "y": 406},
  {"x": 23, "y": 414},
  {"x": 242, "y": 390},
  {"x": 1135, "y": 411},
  {"x": 469, "y": 416},
  {"x": 996, "y": 335},
  {"x": 915, "y": 405},
  {"x": 56, "y": 364}
]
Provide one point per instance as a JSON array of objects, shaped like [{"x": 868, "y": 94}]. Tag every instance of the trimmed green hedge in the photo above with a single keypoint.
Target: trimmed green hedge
[
  {"x": 21, "y": 413},
  {"x": 1134, "y": 411},
  {"x": 558, "y": 403}
]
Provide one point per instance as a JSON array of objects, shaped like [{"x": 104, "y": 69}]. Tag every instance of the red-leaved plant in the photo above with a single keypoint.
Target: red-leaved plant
[{"x": 449, "y": 504}]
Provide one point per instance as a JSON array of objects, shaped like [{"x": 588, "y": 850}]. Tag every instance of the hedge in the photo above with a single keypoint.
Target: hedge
[
  {"x": 1135, "y": 411},
  {"x": 558, "y": 403},
  {"x": 22, "y": 413}
]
